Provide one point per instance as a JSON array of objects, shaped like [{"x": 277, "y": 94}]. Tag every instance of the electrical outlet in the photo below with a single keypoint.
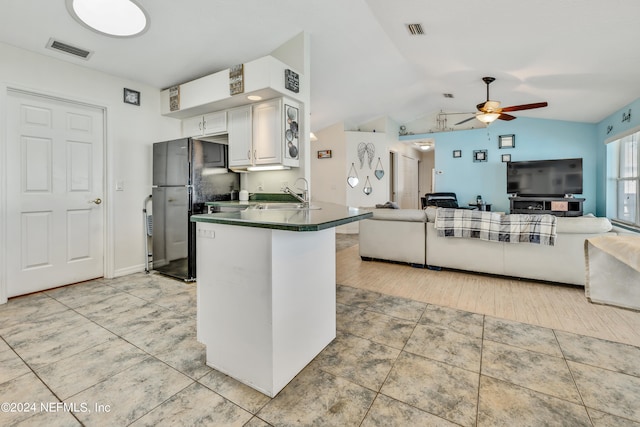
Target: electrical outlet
[
  {"x": 284, "y": 185},
  {"x": 260, "y": 187}
]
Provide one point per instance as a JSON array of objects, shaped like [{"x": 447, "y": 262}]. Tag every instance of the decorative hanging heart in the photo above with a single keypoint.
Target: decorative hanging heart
[
  {"x": 352, "y": 178},
  {"x": 379, "y": 172},
  {"x": 368, "y": 189}
]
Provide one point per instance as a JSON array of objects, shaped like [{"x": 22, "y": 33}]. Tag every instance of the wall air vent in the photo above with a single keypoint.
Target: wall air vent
[
  {"x": 415, "y": 29},
  {"x": 69, "y": 49}
]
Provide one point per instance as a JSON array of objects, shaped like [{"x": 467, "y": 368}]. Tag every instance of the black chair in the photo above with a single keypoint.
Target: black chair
[{"x": 442, "y": 200}]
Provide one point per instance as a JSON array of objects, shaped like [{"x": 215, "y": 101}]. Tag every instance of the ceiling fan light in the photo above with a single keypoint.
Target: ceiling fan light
[
  {"x": 488, "y": 117},
  {"x": 490, "y": 106}
]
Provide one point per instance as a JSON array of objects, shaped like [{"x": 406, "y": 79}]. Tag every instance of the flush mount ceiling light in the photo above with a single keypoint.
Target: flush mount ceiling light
[
  {"x": 425, "y": 145},
  {"x": 116, "y": 18}
]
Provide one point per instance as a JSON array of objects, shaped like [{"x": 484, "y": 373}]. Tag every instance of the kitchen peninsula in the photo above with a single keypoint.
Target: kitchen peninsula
[{"x": 266, "y": 288}]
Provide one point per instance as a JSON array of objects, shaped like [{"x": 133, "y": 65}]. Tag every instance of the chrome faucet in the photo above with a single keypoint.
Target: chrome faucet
[{"x": 305, "y": 192}]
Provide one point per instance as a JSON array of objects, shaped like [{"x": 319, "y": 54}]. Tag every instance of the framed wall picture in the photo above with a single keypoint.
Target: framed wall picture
[
  {"x": 324, "y": 154},
  {"x": 291, "y": 81},
  {"x": 291, "y": 150},
  {"x": 174, "y": 98},
  {"x": 479, "y": 155},
  {"x": 236, "y": 79},
  {"x": 457, "y": 153},
  {"x": 131, "y": 96},
  {"x": 506, "y": 158},
  {"x": 506, "y": 141}
]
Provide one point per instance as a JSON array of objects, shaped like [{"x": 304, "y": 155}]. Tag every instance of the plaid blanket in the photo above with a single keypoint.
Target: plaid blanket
[
  {"x": 494, "y": 227},
  {"x": 527, "y": 228},
  {"x": 468, "y": 223}
]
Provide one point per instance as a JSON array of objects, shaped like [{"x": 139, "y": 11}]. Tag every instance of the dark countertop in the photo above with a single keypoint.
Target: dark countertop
[{"x": 329, "y": 215}]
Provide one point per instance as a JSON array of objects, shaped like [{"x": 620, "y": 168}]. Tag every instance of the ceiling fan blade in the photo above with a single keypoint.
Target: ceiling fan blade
[
  {"x": 465, "y": 121},
  {"x": 507, "y": 117},
  {"x": 525, "y": 106}
]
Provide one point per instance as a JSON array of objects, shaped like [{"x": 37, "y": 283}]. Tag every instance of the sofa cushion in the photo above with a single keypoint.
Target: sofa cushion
[
  {"x": 583, "y": 225},
  {"x": 411, "y": 215},
  {"x": 431, "y": 213}
]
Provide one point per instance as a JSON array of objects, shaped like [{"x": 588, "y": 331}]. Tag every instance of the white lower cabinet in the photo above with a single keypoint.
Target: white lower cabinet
[{"x": 260, "y": 314}]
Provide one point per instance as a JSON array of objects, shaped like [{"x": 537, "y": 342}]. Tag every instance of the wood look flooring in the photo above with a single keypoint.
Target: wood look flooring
[{"x": 553, "y": 306}]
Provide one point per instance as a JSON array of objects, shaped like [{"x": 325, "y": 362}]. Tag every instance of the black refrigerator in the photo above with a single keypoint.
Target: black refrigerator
[{"x": 187, "y": 173}]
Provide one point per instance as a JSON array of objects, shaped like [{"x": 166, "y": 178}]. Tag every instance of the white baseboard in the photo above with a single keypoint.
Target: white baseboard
[{"x": 129, "y": 270}]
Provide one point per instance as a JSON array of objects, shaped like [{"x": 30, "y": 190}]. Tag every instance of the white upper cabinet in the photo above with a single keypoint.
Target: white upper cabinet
[
  {"x": 207, "y": 124},
  {"x": 266, "y": 133},
  {"x": 264, "y": 76},
  {"x": 239, "y": 127}
]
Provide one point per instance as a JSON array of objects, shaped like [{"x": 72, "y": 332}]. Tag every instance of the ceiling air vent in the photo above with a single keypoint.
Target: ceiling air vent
[
  {"x": 415, "y": 29},
  {"x": 68, "y": 49}
]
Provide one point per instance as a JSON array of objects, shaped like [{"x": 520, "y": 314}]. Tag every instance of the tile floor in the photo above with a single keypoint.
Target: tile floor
[{"x": 123, "y": 352}]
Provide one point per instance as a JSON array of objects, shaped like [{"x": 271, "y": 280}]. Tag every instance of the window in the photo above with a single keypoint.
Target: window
[{"x": 628, "y": 180}]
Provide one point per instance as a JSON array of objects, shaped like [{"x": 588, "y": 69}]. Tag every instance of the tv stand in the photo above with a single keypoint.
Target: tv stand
[{"x": 558, "y": 206}]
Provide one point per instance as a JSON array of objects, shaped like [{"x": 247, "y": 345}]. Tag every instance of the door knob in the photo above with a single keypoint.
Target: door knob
[{"x": 96, "y": 201}]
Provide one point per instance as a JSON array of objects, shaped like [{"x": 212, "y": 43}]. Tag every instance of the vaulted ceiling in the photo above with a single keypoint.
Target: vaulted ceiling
[{"x": 578, "y": 55}]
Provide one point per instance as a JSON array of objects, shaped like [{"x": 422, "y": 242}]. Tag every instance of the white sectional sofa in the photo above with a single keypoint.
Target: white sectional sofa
[
  {"x": 395, "y": 235},
  {"x": 409, "y": 236}
]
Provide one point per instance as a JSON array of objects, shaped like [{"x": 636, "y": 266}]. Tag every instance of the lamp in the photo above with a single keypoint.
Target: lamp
[
  {"x": 313, "y": 137},
  {"x": 487, "y": 117}
]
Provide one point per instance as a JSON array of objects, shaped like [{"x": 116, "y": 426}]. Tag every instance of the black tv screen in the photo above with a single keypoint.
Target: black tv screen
[{"x": 545, "y": 178}]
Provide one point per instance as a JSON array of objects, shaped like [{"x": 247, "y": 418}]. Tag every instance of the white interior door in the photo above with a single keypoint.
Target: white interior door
[
  {"x": 55, "y": 216},
  {"x": 406, "y": 172}
]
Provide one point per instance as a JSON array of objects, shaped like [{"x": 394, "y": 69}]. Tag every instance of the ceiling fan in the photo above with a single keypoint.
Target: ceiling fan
[{"x": 489, "y": 111}]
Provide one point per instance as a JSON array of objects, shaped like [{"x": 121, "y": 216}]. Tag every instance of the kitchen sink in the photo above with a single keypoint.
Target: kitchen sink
[
  {"x": 238, "y": 208},
  {"x": 284, "y": 206}
]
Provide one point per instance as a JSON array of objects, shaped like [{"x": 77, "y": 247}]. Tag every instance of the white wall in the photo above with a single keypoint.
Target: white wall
[
  {"x": 130, "y": 132},
  {"x": 355, "y": 196},
  {"x": 329, "y": 176}
]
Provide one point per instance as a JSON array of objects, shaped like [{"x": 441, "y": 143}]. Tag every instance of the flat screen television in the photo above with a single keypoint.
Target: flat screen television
[{"x": 545, "y": 178}]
